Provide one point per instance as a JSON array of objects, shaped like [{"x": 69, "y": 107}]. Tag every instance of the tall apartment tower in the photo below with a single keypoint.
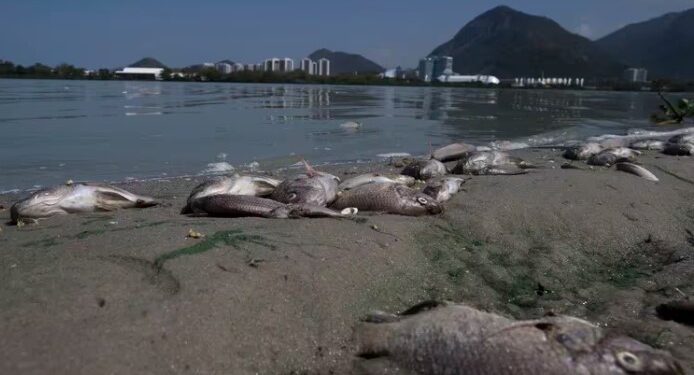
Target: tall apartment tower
[
  {"x": 323, "y": 67},
  {"x": 307, "y": 66}
]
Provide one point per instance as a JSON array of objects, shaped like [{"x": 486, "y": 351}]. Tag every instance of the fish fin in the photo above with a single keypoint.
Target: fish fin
[
  {"x": 310, "y": 171},
  {"x": 109, "y": 201},
  {"x": 380, "y": 317},
  {"x": 423, "y": 306}
]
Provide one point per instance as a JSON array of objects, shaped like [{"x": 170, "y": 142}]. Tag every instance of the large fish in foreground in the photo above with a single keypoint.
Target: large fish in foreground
[
  {"x": 437, "y": 339},
  {"x": 225, "y": 205},
  {"x": 234, "y": 185},
  {"x": 74, "y": 198},
  {"x": 389, "y": 198}
]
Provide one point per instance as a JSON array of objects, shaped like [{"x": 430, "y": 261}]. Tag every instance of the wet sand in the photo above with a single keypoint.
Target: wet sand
[{"x": 126, "y": 292}]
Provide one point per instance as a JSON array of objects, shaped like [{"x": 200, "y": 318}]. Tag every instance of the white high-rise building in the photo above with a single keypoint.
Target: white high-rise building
[
  {"x": 307, "y": 66},
  {"x": 323, "y": 67},
  {"x": 286, "y": 65},
  {"x": 224, "y": 68}
]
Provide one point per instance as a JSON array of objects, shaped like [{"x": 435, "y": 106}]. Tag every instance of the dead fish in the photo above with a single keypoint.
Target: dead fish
[
  {"x": 443, "y": 188},
  {"x": 445, "y": 338},
  {"x": 74, "y": 198},
  {"x": 637, "y": 170},
  {"x": 452, "y": 152},
  {"x": 425, "y": 169},
  {"x": 389, "y": 198},
  {"x": 491, "y": 163},
  {"x": 679, "y": 149},
  {"x": 313, "y": 187},
  {"x": 236, "y": 185},
  {"x": 369, "y": 178},
  {"x": 611, "y": 156},
  {"x": 682, "y": 138},
  {"x": 678, "y": 311},
  {"x": 584, "y": 151},
  {"x": 225, "y": 205},
  {"x": 648, "y": 144}
]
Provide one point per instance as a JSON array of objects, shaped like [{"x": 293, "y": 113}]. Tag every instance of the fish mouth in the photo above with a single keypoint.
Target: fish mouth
[{"x": 435, "y": 209}]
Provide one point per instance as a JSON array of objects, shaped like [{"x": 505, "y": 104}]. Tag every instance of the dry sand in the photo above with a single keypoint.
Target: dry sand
[{"x": 126, "y": 292}]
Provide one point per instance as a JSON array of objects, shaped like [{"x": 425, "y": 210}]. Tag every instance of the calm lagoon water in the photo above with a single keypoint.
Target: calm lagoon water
[{"x": 52, "y": 131}]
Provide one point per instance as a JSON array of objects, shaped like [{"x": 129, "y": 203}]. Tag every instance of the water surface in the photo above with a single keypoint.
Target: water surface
[{"x": 113, "y": 130}]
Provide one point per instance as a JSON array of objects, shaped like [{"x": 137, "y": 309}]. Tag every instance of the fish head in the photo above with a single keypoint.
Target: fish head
[
  {"x": 43, "y": 203},
  {"x": 432, "y": 168},
  {"x": 144, "y": 202},
  {"x": 418, "y": 203},
  {"x": 634, "y": 357}
]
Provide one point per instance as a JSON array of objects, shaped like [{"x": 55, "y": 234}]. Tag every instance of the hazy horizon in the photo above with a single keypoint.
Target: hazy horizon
[{"x": 95, "y": 35}]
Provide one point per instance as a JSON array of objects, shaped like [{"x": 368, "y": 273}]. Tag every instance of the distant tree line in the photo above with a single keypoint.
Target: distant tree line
[{"x": 61, "y": 71}]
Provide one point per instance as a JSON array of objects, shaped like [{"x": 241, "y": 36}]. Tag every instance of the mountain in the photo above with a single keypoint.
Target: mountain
[
  {"x": 148, "y": 62},
  {"x": 663, "y": 45},
  {"x": 508, "y": 43},
  {"x": 346, "y": 63}
]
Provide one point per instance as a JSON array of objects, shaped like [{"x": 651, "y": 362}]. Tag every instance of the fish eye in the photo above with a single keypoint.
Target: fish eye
[
  {"x": 629, "y": 361},
  {"x": 422, "y": 200}
]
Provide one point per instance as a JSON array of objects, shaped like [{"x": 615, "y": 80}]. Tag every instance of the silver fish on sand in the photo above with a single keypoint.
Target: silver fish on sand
[
  {"x": 389, "y": 198},
  {"x": 370, "y": 178},
  {"x": 648, "y": 144},
  {"x": 682, "y": 144},
  {"x": 491, "y": 163},
  {"x": 443, "y": 188},
  {"x": 224, "y": 205},
  {"x": 425, "y": 169},
  {"x": 636, "y": 170},
  {"x": 614, "y": 155},
  {"x": 437, "y": 339},
  {"x": 313, "y": 187},
  {"x": 452, "y": 152},
  {"x": 74, "y": 198},
  {"x": 235, "y": 185},
  {"x": 583, "y": 151}
]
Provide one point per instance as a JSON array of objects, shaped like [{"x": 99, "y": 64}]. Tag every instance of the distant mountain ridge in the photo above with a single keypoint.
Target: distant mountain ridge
[
  {"x": 148, "y": 62},
  {"x": 346, "y": 63},
  {"x": 507, "y": 43},
  {"x": 664, "y": 45}
]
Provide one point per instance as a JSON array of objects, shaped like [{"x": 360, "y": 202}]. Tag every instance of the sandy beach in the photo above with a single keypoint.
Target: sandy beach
[{"x": 126, "y": 292}]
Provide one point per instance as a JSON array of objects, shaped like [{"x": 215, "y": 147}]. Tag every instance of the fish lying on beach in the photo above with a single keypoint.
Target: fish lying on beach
[
  {"x": 425, "y": 169},
  {"x": 443, "y": 188},
  {"x": 313, "y": 187},
  {"x": 74, "y": 198},
  {"x": 435, "y": 339},
  {"x": 678, "y": 311},
  {"x": 234, "y": 185},
  {"x": 649, "y": 144},
  {"x": 370, "y": 178},
  {"x": 636, "y": 170},
  {"x": 583, "y": 151},
  {"x": 682, "y": 144},
  {"x": 611, "y": 156},
  {"x": 389, "y": 198},
  {"x": 452, "y": 152},
  {"x": 491, "y": 163},
  {"x": 225, "y": 205}
]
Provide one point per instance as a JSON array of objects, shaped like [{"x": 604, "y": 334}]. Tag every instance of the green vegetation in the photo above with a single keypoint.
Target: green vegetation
[
  {"x": 62, "y": 71},
  {"x": 233, "y": 238},
  {"x": 673, "y": 113}
]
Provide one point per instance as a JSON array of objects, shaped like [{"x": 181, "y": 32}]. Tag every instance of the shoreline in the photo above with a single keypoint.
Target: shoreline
[{"x": 281, "y": 296}]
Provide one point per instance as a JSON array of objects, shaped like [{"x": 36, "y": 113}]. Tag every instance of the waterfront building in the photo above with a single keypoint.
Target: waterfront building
[
  {"x": 286, "y": 65},
  {"x": 140, "y": 73},
  {"x": 432, "y": 67},
  {"x": 425, "y": 69},
  {"x": 636, "y": 75},
  {"x": 323, "y": 67},
  {"x": 443, "y": 65},
  {"x": 224, "y": 68},
  {"x": 456, "y": 78},
  {"x": 307, "y": 66}
]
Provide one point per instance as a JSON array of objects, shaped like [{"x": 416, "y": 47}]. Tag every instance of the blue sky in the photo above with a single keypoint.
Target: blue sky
[{"x": 100, "y": 33}]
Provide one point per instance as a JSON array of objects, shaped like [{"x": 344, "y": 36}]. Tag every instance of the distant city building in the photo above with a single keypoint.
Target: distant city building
[
  {"x": 140, "y": 73},
  {"x": 237, "y": 68},
  {"x": 307, "y": 66},
  {"x": 456, "y": 78},
  {"x": 276, "y": 65},
  {"x": 550, "y": 81},
  {"x": 425, "y": 70},
  {"x": 323, "y": 67},
  {"x": 286, "y": 65},
  {"x": 636, "y": 75},
  {"x": 224, "y": 68},
  {"x": 393, "y": 73},
  {"x": 432, "y": 67},
  {"x": 314, "y": 67}
]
